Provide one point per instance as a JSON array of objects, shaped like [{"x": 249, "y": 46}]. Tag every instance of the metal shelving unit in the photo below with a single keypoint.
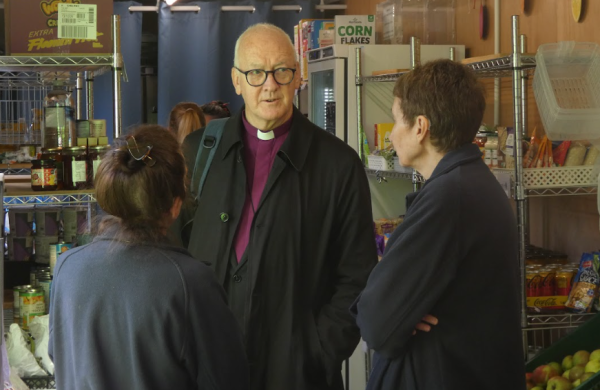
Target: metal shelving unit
[
  {"x": 50, "y": 198},
  {"x": 27, "y": 78},
  {"x": 415, "y": 53},
  {"x": 519, "y": 67},
  {"x": 539, "y": 330}
]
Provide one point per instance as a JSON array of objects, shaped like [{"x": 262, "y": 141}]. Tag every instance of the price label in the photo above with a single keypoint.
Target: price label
[{"x": 77, "y": 21}]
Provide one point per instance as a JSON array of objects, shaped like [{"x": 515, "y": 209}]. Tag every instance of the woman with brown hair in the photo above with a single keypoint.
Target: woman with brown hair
[
  {"x": 130, "y": 311},
  {"x": 215, "y": 110},
  {"x": 185, "y": 118}
]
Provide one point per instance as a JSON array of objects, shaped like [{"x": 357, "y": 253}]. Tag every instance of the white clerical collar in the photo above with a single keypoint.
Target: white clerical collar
[{"x": 265, "y": 135}]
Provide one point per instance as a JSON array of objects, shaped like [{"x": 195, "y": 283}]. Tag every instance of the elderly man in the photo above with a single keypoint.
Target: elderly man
[
  {"x": 459, "y": 233},
  {"x": 285, "y": 222}
]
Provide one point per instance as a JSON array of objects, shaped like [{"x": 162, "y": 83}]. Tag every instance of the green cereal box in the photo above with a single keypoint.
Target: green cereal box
[{"x": 355, "y": 29}]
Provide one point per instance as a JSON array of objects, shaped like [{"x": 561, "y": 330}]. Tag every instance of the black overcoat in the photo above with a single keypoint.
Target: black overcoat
[{"x": 310, "y": 252}]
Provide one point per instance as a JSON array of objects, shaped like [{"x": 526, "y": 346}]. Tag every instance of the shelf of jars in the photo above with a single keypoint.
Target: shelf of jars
[
  {"x": 17, "y": 191},
  {"x": 498, "y": 65}
]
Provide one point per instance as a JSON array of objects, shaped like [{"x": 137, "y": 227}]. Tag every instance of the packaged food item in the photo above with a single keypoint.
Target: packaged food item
[
  {"x": 575, "y": 155},
  {"x": 532, "y": 151},
  {"x": 591, "y": 156},
  {"x": 480, "y": 140},
  {"x": 491, "y": 150},
  {"x": 560, "y": 153},
  {"x": 382, "y": 135},
  {"x": 585, "y": 286}
]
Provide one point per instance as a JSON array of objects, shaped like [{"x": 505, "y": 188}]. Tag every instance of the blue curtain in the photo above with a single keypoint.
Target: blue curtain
[
  {"x": 131, "y": 91},
  {"x": 195, "y": 50}
]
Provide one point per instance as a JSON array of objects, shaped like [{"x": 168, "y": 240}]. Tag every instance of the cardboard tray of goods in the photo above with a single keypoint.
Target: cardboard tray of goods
[{"x": 586, "y": 337}]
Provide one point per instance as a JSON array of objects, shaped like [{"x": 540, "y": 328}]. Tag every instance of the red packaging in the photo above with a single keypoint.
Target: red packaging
[{"x": 560, "y": 153}]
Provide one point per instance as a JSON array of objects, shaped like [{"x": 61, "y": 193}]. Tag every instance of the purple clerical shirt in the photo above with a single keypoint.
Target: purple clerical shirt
[{"x": 258, "y": 158}]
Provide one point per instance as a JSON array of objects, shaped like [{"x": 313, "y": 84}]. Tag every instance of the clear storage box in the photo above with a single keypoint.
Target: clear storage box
[{"x": 566, "y": 86}]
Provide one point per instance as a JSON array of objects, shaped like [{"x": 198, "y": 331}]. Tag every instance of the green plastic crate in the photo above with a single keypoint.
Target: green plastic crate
[{"x": 586, "y": 336}]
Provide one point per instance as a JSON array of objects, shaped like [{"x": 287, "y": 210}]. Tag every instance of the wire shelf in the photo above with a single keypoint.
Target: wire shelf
[
  {"x": 562, "y": 191},
  {"x": 501, "y": 66},
  {"x": 50, "y": 199},
  {"x": 381, "y": 78},
  {"x": 558, "y": 320},
  {"x": 16, "y": 171},
  {"x": 384, "y": 175},
  {"x": 79, "y": 63}
]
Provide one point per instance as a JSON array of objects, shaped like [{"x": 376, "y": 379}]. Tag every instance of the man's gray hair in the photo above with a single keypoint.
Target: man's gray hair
[{"x": 256, "y": 27}]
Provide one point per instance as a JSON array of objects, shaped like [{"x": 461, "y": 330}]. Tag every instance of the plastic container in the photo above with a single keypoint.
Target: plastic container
[
  {"x": 60, "y": 128},
  {"x": 567, "y": 89},
  {"x": 440, "y": 22},
  {"x": 586, "y": 337}
]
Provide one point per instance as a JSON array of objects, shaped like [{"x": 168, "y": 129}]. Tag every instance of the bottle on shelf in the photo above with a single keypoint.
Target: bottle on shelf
[{"x": 59, "y": 130}]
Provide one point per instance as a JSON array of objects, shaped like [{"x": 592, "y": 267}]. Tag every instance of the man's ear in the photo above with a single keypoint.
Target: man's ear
[
  {"x": 235, "y": 79},
  {"x": 423, "y": 125}
]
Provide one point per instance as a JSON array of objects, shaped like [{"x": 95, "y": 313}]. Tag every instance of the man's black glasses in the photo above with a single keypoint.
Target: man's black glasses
[{"x": 257, "y": 77}]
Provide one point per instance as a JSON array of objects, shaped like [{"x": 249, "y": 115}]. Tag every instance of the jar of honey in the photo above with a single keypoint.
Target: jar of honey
[
  {"x": 95, "y": 155},
  {"x": 56, "y": 155},
  {"x": 43, "y": 175},
  {"x": 75, "y": 168}
]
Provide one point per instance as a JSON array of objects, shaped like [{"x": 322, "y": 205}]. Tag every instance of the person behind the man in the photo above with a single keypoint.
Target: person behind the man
[
  {"x": 455, "y": 254},
  {"x": 285, "y": 221}
]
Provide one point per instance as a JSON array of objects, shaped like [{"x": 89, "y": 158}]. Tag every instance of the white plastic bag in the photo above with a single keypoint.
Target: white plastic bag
[
  {"x": 21, "y": 360},
  {"x": 39, "y": 328}
]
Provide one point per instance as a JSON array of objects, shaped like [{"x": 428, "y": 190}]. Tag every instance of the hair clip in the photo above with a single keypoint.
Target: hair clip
[{"x": 140, "y": 153}]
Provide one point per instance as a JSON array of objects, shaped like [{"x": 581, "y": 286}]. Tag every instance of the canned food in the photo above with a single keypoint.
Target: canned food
[
  {"x": 45, "y": 282},
  {"x": 563, "y": 282},
  {"x": 55, "y": 251},
  {"x": 31, "y": 304},
  {"x": 548, "y": 282},
  {"x": 17, "y": 301},
  {"x": 533, "y": 283}
]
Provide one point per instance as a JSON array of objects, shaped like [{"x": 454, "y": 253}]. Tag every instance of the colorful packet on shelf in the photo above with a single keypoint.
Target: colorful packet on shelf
[
  {"x": 560, "y": 153},
  {"x": 585, "y": 285}
]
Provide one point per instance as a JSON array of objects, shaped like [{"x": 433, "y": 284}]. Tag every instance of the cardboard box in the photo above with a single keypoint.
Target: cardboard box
[
  {"x": 97, "y": 128},
  {"x": 382, "y": 135},
  {"x": 355, "y": 29},
  {"x": 31, "y": 28}
]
